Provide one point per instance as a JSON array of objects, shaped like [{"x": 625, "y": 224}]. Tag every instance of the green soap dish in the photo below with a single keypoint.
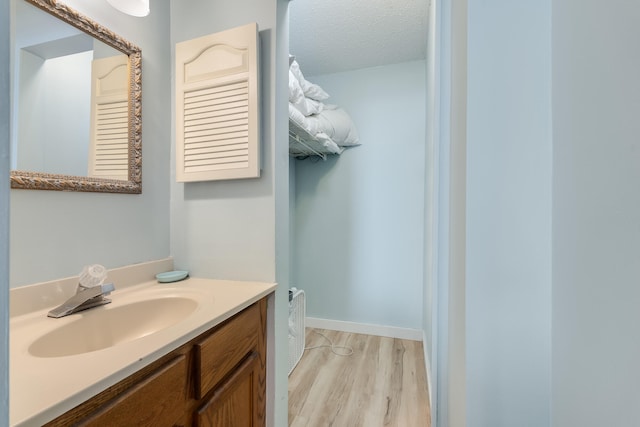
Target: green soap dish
[{"x": 172, "y": 276}]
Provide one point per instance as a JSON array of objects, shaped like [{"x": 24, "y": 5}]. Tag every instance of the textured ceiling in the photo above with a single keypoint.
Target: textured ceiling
[{"x": 329, "y": 36}]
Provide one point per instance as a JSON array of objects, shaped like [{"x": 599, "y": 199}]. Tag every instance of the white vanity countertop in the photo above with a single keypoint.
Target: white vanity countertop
[{"x": 42, "y": 388}]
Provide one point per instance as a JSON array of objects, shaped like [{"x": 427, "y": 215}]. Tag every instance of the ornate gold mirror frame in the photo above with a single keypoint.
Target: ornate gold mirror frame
[{"x": 45, "y": 181}]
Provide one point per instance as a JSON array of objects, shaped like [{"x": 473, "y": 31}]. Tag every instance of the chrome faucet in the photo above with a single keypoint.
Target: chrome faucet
[{"x": 85, "y": 297}]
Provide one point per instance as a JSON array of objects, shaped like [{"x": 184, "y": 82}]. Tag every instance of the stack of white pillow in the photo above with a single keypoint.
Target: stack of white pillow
[{"x": 307, "y": 108}]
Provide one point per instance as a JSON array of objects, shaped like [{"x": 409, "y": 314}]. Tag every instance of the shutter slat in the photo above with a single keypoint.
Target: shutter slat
[
  {"x": 230, "y": 131},
  {"x": 230, "y": 125},
  {"x": 215, "y": 161},
  {"x": 221, "y": 167},
  {"x": 217, "y": 119},
  {"x": 236, "y": 94},
  {"x": 219, "y": 143},
  {"x": 210, "y": 109},
  {"x": 190, "y": 157},
  {"x": 216, "y": 139},
  {"x": 218, "y": 113},
  {"x": 216, "y": 89},
  {"x": 240, "y": 99},
  {"x": 219, "y": 148}
]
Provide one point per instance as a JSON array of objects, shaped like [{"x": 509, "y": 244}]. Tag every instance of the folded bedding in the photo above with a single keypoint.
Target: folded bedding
[
  {"x": 326, "y": 123},
  {"x": 337, "y": 124},
  {"x": 306, "y": 106},
  {"x": 322, "y": 139},
  {"x": 312, "y": 91}
]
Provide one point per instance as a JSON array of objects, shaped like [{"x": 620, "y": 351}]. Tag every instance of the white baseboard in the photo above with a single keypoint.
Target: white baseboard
[{"x": 364, "y": 328}]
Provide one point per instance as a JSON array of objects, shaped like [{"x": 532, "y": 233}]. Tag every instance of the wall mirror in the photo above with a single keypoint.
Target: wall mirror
[{"x": 76, "y": 98}]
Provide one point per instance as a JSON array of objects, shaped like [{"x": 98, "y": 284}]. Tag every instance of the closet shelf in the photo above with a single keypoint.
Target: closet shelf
[{"x": 302, "y": 144}]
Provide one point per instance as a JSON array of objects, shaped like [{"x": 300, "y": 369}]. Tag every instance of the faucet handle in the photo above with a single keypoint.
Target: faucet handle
[
  {"x": 92, "y": 275},
  {"x": 107, "y": 288}
]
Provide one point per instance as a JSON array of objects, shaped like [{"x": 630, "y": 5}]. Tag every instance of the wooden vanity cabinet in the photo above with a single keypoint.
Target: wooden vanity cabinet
[{"x": 216, "y": 379}]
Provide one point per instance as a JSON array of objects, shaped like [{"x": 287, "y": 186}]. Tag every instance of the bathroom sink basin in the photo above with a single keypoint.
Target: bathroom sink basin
[{"x": 104, "y": 327}]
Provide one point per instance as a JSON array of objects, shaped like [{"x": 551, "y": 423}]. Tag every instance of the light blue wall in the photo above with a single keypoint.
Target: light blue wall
[
  {"x": 596, "y": 212},
  {"x": 239, "y": 229},
  {"x": 508, "y": 208},
  {"x": 552, "y": 215},
  {"x": 56, "y": 145},
  {"x": 53, "y": 234},
  {"x": 225, "y": 229},
  {"x": 360, "y": 216}
]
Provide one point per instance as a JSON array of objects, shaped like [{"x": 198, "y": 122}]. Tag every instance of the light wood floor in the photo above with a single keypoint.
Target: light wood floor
[{"x": 383, "y": 383}]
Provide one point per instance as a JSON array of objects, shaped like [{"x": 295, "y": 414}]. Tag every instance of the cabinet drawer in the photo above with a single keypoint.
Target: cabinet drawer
[
  {"x": 158, "y": 400},
  {"x": 219, "y": 353}
]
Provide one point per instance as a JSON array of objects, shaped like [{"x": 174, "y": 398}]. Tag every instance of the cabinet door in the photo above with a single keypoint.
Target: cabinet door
[
  {"x": 157, "y": 401},
  {"x": 218, "y": 354},
  {"x": 109, "y": 134},
  {"x": 218, "y": 106},
  {"x": 239, "y": 401}
]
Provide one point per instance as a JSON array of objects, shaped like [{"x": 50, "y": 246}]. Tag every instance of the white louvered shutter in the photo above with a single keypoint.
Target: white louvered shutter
[
  {"x": 217, "y": 121},
  {"x": 109, "y": 150}
]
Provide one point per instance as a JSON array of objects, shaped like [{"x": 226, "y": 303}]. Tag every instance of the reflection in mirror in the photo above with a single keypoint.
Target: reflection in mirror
[{"x": 76, "y": 91}]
